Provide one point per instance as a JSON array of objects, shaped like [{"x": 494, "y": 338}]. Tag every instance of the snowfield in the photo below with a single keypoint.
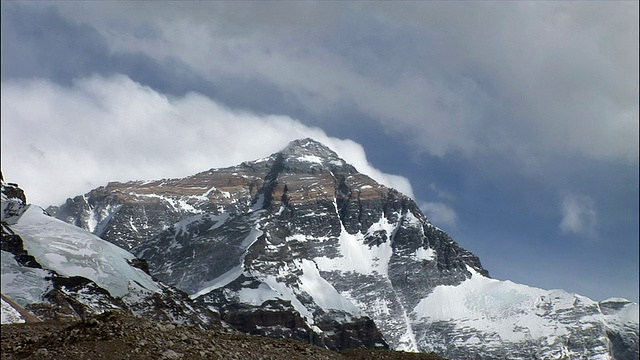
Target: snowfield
[
  {"x": 72, "y": 251},
  {"x": 10, "y": 315}
]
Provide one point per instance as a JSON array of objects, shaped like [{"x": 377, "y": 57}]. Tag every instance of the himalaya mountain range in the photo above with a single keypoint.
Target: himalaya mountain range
[{"x": 299, "y": 245}]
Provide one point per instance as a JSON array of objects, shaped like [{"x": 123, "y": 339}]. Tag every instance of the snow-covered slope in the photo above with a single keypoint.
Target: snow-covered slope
[
  {"x": 71, "y": 251},
  {"x": 303, "y": 233},
  {"x": 500, "y": 316},
  {"x": 10, "y": 314}
]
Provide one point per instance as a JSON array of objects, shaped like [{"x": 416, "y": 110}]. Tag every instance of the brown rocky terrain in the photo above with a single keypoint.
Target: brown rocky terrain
[{"x": 117, "y": 335}]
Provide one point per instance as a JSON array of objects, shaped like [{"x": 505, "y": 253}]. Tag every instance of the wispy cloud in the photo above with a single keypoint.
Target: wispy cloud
[
  {"x": 440, "y": 214},
  {"x": 61, "y": 141},
  {"x": 440, "y": 192},
  {"x": 579, "y": 215}
]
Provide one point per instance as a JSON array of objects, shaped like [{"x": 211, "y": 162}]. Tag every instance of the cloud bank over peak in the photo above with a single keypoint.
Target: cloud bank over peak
[{"x": 114, "y": 129}]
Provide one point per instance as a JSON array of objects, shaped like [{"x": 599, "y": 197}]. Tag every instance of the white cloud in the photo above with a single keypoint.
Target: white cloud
[
  {"x": 578, "y": 215},
  {"x": 441, "y": 193},
  {"x": 440, "y": 214},
  {"x": 59, "y": 142}
]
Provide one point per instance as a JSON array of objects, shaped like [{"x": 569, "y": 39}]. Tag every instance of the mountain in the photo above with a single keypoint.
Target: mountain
[
  {"x": 55, "y": 271},
  {"x": 113, "y": 309},
  {"x": 300, "y": 244}
]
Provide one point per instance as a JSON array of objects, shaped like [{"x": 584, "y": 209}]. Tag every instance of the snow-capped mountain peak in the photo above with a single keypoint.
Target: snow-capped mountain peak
[
  {"x": 311, "y": 151},
  {"x": 301, "y": 240}
]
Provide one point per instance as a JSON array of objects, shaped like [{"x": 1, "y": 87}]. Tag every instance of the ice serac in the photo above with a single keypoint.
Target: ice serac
[
  {"x": 300, "y": 244},
  {"x": 55, "y": 271}
]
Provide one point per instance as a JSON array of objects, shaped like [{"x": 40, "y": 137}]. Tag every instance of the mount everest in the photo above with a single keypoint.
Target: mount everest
[{"x": 299, "y": 244}]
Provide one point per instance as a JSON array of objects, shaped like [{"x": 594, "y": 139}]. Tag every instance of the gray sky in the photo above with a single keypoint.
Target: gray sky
[{"x": 513, "y": 124}]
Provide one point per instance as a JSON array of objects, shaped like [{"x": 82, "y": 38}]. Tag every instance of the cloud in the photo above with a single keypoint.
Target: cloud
[
  {"x": 439, "y": 213},
  {"x": 529, "y": 80},
  {"x": 441, "y": 193},
  {"x": 62, "y": 141},
  {"x": 578, "y": 215},
  {"x": 559, "y": 77}
]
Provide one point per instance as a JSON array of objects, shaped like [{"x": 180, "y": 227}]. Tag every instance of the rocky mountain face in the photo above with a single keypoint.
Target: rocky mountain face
[
  {"x": 55, "y": 271},
  {"x": 302, "y": 245}
]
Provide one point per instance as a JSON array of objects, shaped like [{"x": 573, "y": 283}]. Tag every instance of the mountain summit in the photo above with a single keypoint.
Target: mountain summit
[
  {"x": 300, "y": 244},
  {"x": 312, "y": 151}
]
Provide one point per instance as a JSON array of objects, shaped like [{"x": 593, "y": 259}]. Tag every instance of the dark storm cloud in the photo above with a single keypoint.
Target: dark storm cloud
[
  {"x": 528, "y": 79},
  {"x": 449, "y": 78},
  {"x": 38, "y": 43}
]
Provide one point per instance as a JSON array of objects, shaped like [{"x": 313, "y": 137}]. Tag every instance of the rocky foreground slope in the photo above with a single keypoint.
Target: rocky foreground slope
[{"x": 119, "y": 336}]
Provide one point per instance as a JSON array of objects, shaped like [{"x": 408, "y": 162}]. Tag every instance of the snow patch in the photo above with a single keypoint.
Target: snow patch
[
  {"x": 180, "y": 205},
  {"x": 206, "y": 193},
  {"x": 10, "y": 315},
  {"x": 408, "y": 219},
  {"x": 287, "y": 293},
  {"x": 219, "y": 282},
  {"x": 220, "y": 220},
  {"x": 310, "y": 158},
  {"x": 425, "y": 254},
  {"x": 23, "y": 285},
  {"x": 512, "y": 311},
  {"x": 72, "y": 251},
  {"x": 104, "y": 217},
  {"x": 258, "y": 296},
  {"x": 323, "y": 293},
  {"x": 297, "y": 237},
  {"x": 360, "y": 257}
]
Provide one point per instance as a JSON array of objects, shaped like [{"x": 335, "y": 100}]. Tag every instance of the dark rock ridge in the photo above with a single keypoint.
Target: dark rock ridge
[{"x": 300, "y": 244}]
